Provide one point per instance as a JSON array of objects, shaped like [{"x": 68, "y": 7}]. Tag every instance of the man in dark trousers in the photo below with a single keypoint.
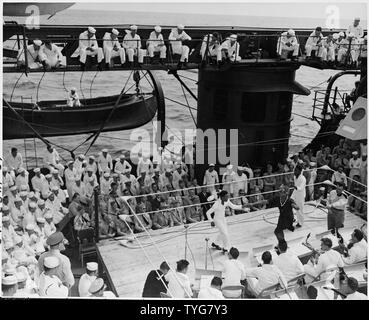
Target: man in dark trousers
[
  {"x": 155, "y": 282},
  {"x": 203, "y": 196}
]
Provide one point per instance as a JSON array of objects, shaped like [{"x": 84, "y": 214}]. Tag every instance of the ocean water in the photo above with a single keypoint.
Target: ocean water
[{"x": 89, "y": 84}]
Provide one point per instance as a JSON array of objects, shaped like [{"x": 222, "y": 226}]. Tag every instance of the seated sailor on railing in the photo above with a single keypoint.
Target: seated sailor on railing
[
  {"x": 73, "y": 99},
  {"x": 35, "y": 57},
  {"x": 177, "y": 36},
  {"x": 210, "y": 47},
  {"x": 155, "y": 43},
  {"x": 230, "y": 49},
  {"x": 314, "y": 43},
  {"x": 355, "y": 29},
  {"x": 51, "y": 55},
  {"x": 88, "y": 47},
  {"x": 112, "y": 48},
  {"x": 132, "y": 45},
  {"x": 328, "y": 49},
  {"x": 287, "y": 42}
]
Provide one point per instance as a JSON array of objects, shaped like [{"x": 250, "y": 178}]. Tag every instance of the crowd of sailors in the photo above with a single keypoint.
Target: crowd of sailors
[
  {"x": 341, "y": 48},
  {"x": 155, "y": 194}
]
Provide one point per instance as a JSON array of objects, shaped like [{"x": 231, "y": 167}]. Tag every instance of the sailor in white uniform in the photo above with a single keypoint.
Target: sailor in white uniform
[
  {"x": 87, "y": 279},
  {"x": 49, "y": 284},
  {"x": 88, "y": 46},
  {"x": 104, "y": 162},
  {"x": 156, "y": 44},
  {"x": 35, "y": 58},
  {"x": 211, "y": 178},
  {"x": 299, "y": 194},
  {"x": 230, "y": 48},
  {"x": 314, "y": 43},
  {"x": 69, "y": 174},
  {"x": 288, "y": 42},
  {"x": 97, "y": 289},
  {"x": 219, "y": 219},
  {"x": 355, "y": 30},
  {"x": 73, "y": 98},
  {"x": 14, "y": 160},
  {"x": 22, "y": 178},
  {"x": 121, "y": 165},
  {"x": 112, "y": 48},
  {"x": 176, "y": 36},
  {"x": 132, "y": 45},
  {"x": 51, "y": 54}
]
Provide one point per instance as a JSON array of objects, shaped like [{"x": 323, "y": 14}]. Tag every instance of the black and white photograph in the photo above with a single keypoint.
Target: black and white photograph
[{"x": 187, "y": 151}]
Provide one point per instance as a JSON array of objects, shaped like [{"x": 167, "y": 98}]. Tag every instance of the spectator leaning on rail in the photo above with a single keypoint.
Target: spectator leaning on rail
[
  {"x": 112, "y": 48},
  {"x": 287, "y": 42},
  {"x": 314, "y": 43},
  {"x": 155, "y": 43},
  {"x": 176, "y": 37}
]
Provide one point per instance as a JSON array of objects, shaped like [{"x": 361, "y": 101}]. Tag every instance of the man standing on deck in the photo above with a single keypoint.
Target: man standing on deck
[
  {"x": 87, "y": 278},
  {"x": 176, "y": 37},
  {"x": 156, "y": 44},
  {"x": 288, "y": 42},
  {"x": 298, "y": 195},
  {"x": 104, "y": 162},
  {"x": 219, "y": 220},
  {"x": 88, "y": 47},
  {"x": 155, "y": 282},
  {"x": 132, "y": 45},
  {"x": 211, "y": 178},
  {"x": 112, "y": 48}
]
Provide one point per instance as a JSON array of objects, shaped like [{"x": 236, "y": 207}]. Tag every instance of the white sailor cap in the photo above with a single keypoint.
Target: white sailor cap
[
  {"x": 32, "y": 205},
  {"x": 9, "y": 280},
  {"x": 355, "y": 153},
  {"x": 133, "y": 27},
  {"x": 17, "y": 199},
  {"x": 48, "y": 215},
  {"x": 180, "y": 26},
  {"x": 322, "y": 188},
  {"x": 106, "y": 174},
  {"x": 5, "y": 208},
  {"x": 31, "y": 195},
  {"x": 54, "y": 171},
  {"x": 36, "y": 170},
  {"x": 91, "y": 157},
  {"x": 30, "y": 226},
  {"x": 21, "y": 277},
  {"x": 157, "y": 28},
  {"x": 89, "y": 169},
  {"x": 211, "y": 165},
  {"x": 82, "y": 156},
  {"x": 40, "y": 202},
  {"x": 23, "y": 187},
  {"x": 13, "y": 188},
  {"x": 104, "y": 150},
  {"x": 5, "y": 218},
  {"x": 122, "y": 156},
  {"x": 341, "y": 34},
  {"x": 40, "y": 220},
  {"x": 96, "y": 286},
  {"x": 291, "y": 32},
  {"x": 51, "y": 262},
  {"x": 91, "y": 179},
  {"x": 335, "y": 36},
  {"x": 21, "y": 170},
  {"x": 77, "y": 177},
  {"x": 5, "y": 169},
  {"x": 156, "y": 169},
  {"x": 365, "y": 37},
  {"x": 233, "y": 37},
  {"x": 229, "y": 167},
  {"x": 312, "y": 164},
  {"x": 91, "y": 266},
  {"x": 48, "y": 176},
  {"x": 10, "y": 270},
  {"x": 37, "y": 42},
  {"x": 54, "y": 188},
  {"x": 114, "y": 31},
  {"x": 91, "y": 30},
  {"x": 70, "y": 162},
  {"x": 23, "y": 194},
  {"x": 240, "y": 168}
]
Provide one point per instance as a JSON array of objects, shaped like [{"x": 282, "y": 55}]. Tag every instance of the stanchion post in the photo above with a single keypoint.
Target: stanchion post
[{"x": 96, "y": 203}]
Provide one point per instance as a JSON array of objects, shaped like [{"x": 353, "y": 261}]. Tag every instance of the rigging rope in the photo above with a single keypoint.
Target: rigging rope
[
  {"x": 80, "y": 85},
  {"x": 188, "y": 105},
  {"x": 93, "y": 79},
  {"x": 38, "y": 87},
  {"x": 15, "y": 85}
]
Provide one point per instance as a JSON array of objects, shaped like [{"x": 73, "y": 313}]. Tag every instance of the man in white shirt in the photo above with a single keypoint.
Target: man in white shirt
[
  {"x": 230, "y": 49},
  {"x": 35, "y": 58},
  {"x": 156, "y": 44},
  {"x": 336, "y": 204},
  {"x": 88, "y": 47},
  {"x": 355, "y": 30},
  {"x": 314, "y": 43},
  {"x": 289, "y": 264},
  {"x": 87, "y": 278},
  {"x": 144, "y": 165},
  {"x": 132, "y": 45},
  {"x": 339, "y": 176},
  {"x": 240, "y": 179},
  {"x": 22, "y": 178},
  {"x": 233, "y": 272},
  {"x": 51, "y": 54},
  {"x": 353, "y": 294},
  {"x": 211, "y": 178},
  {"x": 14, "y": 161},
  {"x": 288, "y": 42},
  {"x": 227, "y": 179},
  {"x": 356, "y": 250},
  {"x": 121, "y": 165},
  {"x": 179, "y": 283},
  {"x": 355, "y": 164},
  {"x": 104, "y": 162},
  {"x": 328, "y": 259},
  {"x": 176, "y": 37},
  {"x": 265, "y": 276},
  {"x": 38, "y": 180},
  {"x": 112, "y": 48},
  {"x": 214, "y": 292}
]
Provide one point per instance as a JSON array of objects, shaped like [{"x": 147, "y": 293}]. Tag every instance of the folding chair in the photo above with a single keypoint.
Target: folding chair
[
  {"x": 234, "y": 288},
  {"x": 296, "y": 280},
  {"x": 265, "y": 293},
  {"x": 87, "y": 244}
]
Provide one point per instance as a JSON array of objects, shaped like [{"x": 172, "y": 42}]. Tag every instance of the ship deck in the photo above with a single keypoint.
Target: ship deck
[{"x": 127, "y": 266}]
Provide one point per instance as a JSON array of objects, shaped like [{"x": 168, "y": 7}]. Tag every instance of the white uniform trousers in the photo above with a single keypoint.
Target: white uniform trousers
[
  {"x": 151, "y": 49},
  {"x": 342, "y": 55},
  {"x": 299, "y": 198},
  {"x": 182, "y": 50},
  {"x": 318, "y": 50},
  {"x": 327, "y": 54},
  {"x": 283, "y": 49},
  {"x": 133, "y": 52},
  {"x": 83, "y": 53},
  {"x": 223, "y": 236},
  {"x": 110, "y": 53}
]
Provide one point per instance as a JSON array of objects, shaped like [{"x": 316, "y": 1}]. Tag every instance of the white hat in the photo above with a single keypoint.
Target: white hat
[
  {"x": 17, "y": 199},
  {"x": 48, "y": 176},
  {"x": 229, "y": 167},
  {"x": 70, "y": 162},
  {"x": 157, "y": 28},
  {"x": 32, "y": 205},
  {"x": 21, "y": 170},
  {"x": 122, "y": 156},
  {"x": 37, "y": 42},
  {"x": 322, "y": 188},
  {"x": 341, "y": 34},
  {"x": 91, "y": 157},
  {"x": 36, "y": 170},
  {"x": 114, "y": 31},
  {"x": 133, "y": 27},
  {"x": 41, "y": 202},
  {"x": 21, "y": 277},
  {"x": 106, "y": 175},
  {"x": 17, "y": 239},
  {"x": 77, "y": 178},
  {"x": 5, "y": 208},
  {"x": 104, "y": 150},
  {"x": 211, "y": 165},
  {"x": 23, "y": 194},
  {"x": 11, "y": 270},
  {"x": 23, "y": 187},
  {"x": 9, "y": 280},
  {"x": 92, "y": 266},
  {"x": 180, "y": 26},
  {"x": 82, "y": 156},
  {"x": 156, "y": 169},
  {"x": 40, "y": 220},
  {"x": 312, "y": 164},
  {"x": 30, "y": 226},
  {"x": 51, "y": 262},
  {"x": 335, "y": 36},
  {"x": 54, "y": 188},
  {"x": 91, "y": 30},
  {"x": 54, "y": 171},
  {"x": 233, "y": 36},
  {"x": 89, "y": 169},
  {"x": 31, "y": 195},
  {"x": 355, "y": 153},
  {"x": 13, "y": 188},
  {"x": 291, "y": 32},
  {"x": 48, "y": 215},
  {"x": 5, "y": 218}
]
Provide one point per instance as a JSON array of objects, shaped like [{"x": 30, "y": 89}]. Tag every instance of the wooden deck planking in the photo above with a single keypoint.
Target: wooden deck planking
[{"x": 129, "y": 267}]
